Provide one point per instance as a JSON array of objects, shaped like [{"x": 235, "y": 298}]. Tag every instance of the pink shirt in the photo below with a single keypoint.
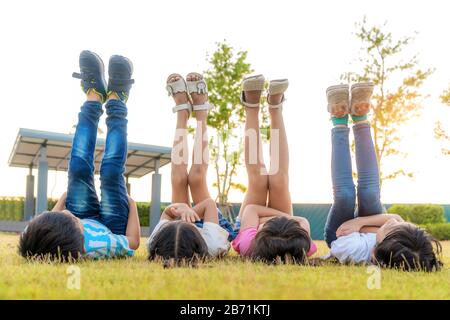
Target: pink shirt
[{"x": 243, "y": 242}]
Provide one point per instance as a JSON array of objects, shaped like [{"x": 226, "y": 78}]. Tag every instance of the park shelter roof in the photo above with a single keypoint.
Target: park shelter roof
[{"x": 141, "y": 158}]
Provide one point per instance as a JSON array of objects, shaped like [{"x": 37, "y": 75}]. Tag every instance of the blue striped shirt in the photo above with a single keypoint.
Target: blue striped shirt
[{"x": 100, "y": 242}]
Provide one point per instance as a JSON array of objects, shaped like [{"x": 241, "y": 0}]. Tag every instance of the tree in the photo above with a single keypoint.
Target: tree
[
  {"x": 227, "y": 70},
  {"x": 397, "y": 97},
  {"x": 439, "y": 131}
]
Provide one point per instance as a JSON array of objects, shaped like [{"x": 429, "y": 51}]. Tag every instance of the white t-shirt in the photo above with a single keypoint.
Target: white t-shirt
[
  {"x": 215, "y": 236},
  {"x": 354, "y": 248}
]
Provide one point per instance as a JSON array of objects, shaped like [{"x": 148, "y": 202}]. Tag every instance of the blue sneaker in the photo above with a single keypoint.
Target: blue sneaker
[
  {"x": 120, "y": 70},
  {"x": 92, "y": 74}
]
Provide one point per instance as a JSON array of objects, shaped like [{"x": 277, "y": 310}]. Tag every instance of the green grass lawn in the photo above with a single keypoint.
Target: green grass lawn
[{"x": 231, "y": 278}]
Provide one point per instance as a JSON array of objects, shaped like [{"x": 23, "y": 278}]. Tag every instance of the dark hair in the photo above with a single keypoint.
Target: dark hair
[
  {"x": 178, "y": 243},
  {"x": 53, "y": 235},
  {"x": 409, "y": 248},
  {"x": 281, "y": 240}
]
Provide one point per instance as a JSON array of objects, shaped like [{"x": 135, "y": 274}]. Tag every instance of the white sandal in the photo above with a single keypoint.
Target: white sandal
[
  {"x": 199, "y": 87},
  {"x": 253, "y": 83},
  {"x": 337, "y": 97},
  {"x": 277, "y": 87},
  {"x": 175, "y": 87},
  {"x": 360, "y": 102}
]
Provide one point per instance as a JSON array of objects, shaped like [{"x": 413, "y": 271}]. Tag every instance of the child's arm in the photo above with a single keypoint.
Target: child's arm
[
  {"x": 254, "y": 215},
  {"x": 356, "y": 224},
  {"x": 61, "y": 203},
  {"x": 133, "y": 232},
  {"x": 367, "y": 229},
  {"x": 207, "y": 210}
]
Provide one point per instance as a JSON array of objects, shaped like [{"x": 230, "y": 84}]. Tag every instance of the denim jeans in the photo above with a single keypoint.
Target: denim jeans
[
  {"x": 368, "y": 190},
  {"x": 82, "y": 200}
]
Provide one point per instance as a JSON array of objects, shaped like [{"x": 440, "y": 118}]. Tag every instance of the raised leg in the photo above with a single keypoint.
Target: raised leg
[
  {"x": 368, "y": 189},
  {"x": 343, "y": 208},
  {"x": 258, "y": 182},
  {"x": 279, "y": 195},
  {"x": 197, "y": 178},
  {"x": 180, "y": 152},
  {"x": 82, "y": 199},
  {"x": 114, "y": 202}
]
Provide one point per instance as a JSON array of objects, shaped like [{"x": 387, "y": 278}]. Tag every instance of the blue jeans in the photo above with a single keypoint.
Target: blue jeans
[
  {"x": 82, "y": 200},
  {"x": 368, "y": 190}
]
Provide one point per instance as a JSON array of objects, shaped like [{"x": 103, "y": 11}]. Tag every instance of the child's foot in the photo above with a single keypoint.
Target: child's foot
[
  {"x": 120, "y": 70},
  {"x": 337, "y": 97},
  {"x": 179, "y": 94},
  {"x": 360, "y": 101},
  {"x": 199, "y": 94},
  {"x": 275, "y": 96},
  {"x": 251, "y": 91},
  {"x": 92, "y": 74}
]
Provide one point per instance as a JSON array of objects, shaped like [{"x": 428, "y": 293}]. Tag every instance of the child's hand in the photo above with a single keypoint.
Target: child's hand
[
  {"x": 348, "y": 227},
  {"x": 184, "y": 212}
]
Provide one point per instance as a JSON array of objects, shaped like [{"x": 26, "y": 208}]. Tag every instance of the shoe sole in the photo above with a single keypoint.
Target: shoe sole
[
  {"x": 363, "y": 107},
  {"x": 97, "y": 57},
  {"x": 278, "y": 86},
  {"x": 127, "y": 61},
  {"x": 254, "y": 83}
]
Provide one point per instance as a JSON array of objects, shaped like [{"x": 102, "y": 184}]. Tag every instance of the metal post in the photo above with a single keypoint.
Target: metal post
[
  {"x": 41, "y": 199},
  {"x": 128, "y": 185},
  {"x": 155, "y": 208},
  {"x": 28, "y": 211}
]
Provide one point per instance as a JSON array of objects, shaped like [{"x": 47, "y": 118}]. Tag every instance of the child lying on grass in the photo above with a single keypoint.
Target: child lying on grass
[
  {"x": 80, "y": 225},
  {"x": 371, "y": 237},
  {"x": 186, "y": 234}
]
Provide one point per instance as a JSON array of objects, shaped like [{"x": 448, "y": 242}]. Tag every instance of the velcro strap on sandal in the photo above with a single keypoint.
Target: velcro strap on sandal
[
  {"x": 176, "y": 86},
  {"x": 276, "y": 106},
  {"x": 184, "y": 106},
  {"x": 199, "y": 86},
  {"x": 205, "y": 106},
  {"x": 119, "y": 82},
  {"x": 246, "y": 104},
  {"x": 77, "y": 75}
]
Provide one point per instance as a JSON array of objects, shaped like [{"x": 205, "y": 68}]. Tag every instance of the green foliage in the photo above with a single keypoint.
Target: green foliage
[
  {"x": 398, "y": 80},
  {"x": 228, "y": 68},
  {"x": 11, "y": 208},
  {"x": 445, "y": 97},
  {"x": 439, "y": 131},
  {"x": 422, "y": 214},
  {"x": 403, "y": 210},
  {"x": 143, "y": 212},
  {"x": 441, "y": 231}
]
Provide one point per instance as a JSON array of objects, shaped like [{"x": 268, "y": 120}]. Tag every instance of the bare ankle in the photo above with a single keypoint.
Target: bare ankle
[{"x": 93, "y": 96}]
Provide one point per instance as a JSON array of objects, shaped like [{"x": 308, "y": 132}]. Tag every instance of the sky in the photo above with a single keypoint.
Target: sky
[{"x": 309, "y": 42}]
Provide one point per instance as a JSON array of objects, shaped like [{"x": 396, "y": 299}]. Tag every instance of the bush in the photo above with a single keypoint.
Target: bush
[
  {"x": 143, "y": 212},
  {"x": 441, "y": 231},
  {"x": 11, "y": 208},
  {"x": 423, "y": 214},
  {"x": 427, "y": 214},
  {"x": 403, "y": 210}
]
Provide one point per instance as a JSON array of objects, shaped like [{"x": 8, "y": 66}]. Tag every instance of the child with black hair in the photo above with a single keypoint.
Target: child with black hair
[
  {"x": 365, "y": 234},
  {"x": 269, "y": 231},
  {"x": 186, "y": 234},
  {"x": 80, "y": 225}
]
